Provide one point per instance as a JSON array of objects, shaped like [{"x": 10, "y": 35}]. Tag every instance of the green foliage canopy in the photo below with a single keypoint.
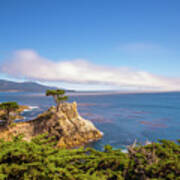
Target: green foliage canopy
[
  {"x": 8, "y": 107},
  {"x": 58, "y": 96},
  {"x": 40, "y": 159}
]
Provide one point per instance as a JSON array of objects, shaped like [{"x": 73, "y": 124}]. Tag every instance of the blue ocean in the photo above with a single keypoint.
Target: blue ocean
[{"x": 121, "y": 117}]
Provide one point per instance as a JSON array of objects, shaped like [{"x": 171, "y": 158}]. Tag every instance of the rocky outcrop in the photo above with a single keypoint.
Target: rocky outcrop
[{"x": 69, "y": 128}]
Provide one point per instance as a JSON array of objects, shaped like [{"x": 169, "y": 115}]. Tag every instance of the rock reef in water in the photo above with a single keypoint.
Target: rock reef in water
[{"x": 69, "y": 128}]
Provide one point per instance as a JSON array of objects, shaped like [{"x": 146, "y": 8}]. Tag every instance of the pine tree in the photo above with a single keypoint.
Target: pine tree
[
  {"x": 58, "y": 96},
  {"x": 8, "y": 107}
]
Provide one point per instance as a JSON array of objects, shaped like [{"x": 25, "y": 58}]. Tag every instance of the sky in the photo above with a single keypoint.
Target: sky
[{"x": 92, "y": 44}]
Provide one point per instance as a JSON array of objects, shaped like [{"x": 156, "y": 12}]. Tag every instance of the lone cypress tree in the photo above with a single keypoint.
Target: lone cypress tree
[
  {"x": 8, "y": 107},
  {"x": 58, "y": 96}
]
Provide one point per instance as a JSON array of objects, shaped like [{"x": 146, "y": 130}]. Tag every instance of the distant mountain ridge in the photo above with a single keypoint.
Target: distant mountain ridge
[{"x": 11, "y": 86}]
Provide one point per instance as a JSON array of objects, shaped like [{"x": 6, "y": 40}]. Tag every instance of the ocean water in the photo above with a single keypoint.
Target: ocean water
[{"x": 121, "y": 117}]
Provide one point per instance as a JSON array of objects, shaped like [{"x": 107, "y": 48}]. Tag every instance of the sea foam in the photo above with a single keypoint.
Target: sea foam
[{"x": 31, "y": 108}]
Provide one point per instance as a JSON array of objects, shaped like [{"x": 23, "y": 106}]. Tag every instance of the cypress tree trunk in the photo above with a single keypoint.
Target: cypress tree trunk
[
  {"x": 57, "y": 102},
  {"x": 58, "y": 106},
  {"x": 7, "y": 117}
]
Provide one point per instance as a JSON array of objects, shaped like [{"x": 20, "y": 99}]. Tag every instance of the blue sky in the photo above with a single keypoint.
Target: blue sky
[{"x": 110, "y": 36}]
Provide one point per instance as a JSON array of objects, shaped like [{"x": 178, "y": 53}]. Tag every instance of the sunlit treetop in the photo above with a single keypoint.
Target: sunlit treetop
[{"x": 9, "y": 105}]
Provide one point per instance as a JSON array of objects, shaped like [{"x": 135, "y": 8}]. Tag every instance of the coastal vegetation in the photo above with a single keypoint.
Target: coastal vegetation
[
  {"x": 58, "y": 96},
  {"x": 8, "y": 108},
  {"x": 41, "y": 159}
]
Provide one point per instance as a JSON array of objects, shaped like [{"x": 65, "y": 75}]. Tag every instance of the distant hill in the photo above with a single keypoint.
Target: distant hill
[{"x": 10, "y": 86}]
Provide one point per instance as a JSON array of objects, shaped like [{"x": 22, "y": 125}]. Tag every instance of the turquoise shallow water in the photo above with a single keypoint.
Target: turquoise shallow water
[{"x": 121, "y": 117}]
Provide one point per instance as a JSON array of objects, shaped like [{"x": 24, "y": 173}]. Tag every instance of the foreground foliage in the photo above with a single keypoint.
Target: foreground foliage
[{"x": 39, "y": 159}]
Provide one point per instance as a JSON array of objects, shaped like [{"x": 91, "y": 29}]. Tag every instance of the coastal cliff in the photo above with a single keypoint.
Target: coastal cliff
[{"x": 69, "y": 128}]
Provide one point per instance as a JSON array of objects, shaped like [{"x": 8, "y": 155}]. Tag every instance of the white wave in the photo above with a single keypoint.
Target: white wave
[
  {"x": 148, "y": 142},
  {"x": 124, "y": 150},
  {"x": 31, "y": 108}
]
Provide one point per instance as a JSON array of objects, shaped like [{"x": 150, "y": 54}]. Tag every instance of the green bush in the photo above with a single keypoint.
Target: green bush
[{"x": 41, "y": 160}]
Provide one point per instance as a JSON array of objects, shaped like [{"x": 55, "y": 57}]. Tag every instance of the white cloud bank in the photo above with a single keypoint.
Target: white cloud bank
[{"x": 28, "y": 64}]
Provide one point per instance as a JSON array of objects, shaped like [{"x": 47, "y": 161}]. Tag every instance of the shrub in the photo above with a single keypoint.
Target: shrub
[{"x": 40, "y": 159}]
